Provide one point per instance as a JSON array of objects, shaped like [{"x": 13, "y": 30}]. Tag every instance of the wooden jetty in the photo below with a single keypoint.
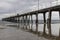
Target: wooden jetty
[{"x": 21, "y": 18}]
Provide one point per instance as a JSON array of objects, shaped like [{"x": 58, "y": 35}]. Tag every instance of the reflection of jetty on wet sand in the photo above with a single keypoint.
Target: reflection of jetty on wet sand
[
  {"x": 23, "y": 19},
  {"x": 12, "y": 33}
]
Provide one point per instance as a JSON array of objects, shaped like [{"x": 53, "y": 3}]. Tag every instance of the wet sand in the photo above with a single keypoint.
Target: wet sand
[
  {"x": 9, "y": 31},
  {"x": 12, "y": 33}
]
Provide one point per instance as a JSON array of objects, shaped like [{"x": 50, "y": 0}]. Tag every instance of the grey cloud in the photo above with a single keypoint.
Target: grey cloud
[
  {"x": 17, "y": 6},
  {"x": 23, "y": 4}
]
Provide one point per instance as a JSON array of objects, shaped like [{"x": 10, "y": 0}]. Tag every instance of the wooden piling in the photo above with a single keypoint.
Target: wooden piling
[
  {"x": 23, "y": 22},
  {"x": 31, "y": 23},
  {"x": 44, "y": 16},
  {"x": 36, "y": 23},
  {"x": 58, "y": 38},
  {"x": 59, "y": 20},
  {"x": 49, "y": 23},
  {"x": 18, "y": 19},
  {"x": 26, "y": 21}
]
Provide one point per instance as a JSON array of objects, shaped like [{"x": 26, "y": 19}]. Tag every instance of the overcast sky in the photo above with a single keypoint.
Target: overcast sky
[{"x": 12, "y": 7}]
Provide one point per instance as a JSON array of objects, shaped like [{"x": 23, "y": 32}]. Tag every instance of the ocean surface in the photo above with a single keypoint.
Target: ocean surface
[{"x": 54, "y": 27}]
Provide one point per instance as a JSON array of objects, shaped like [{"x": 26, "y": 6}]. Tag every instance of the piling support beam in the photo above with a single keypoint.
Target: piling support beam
[
  {"x": 14, "y": 19},
  {"x": 23, "y": 22},
  {"x": 44, "y": 23},
  {"x": 26, "y": 21},
  {"x": 18, "y": 20},
  {"x": 31, "y": 23},
  {"x": 49, "y": 16},
  {"x": 59, "y": 21},
  {"x": 58, "y": 38},
  {"x": 36, "y": 23}
]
